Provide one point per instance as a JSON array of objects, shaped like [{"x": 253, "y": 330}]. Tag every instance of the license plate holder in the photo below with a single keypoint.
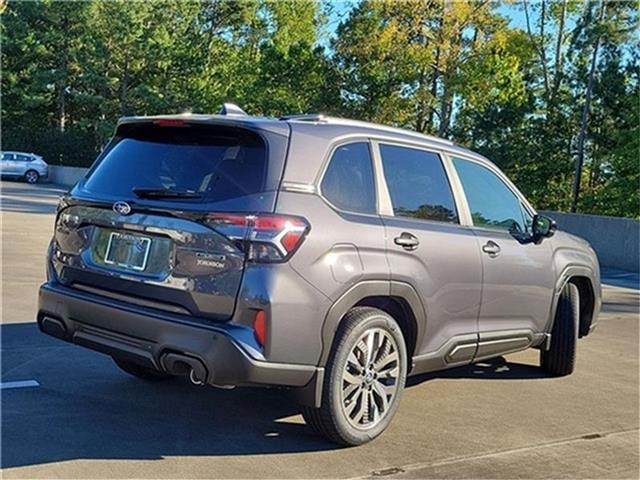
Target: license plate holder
[{"x": 127, "y": 251}]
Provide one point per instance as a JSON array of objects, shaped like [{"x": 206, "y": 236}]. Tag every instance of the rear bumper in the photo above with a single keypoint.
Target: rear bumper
[{"x": 146, "y": 337}]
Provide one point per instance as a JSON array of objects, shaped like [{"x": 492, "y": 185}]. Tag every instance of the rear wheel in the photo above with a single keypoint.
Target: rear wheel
[
  {"x": 31, "y": 176},
  {"x": 365, "y": 376},
  {"x": 560, "y": 359},
  {"x": 139, "y": 371}
]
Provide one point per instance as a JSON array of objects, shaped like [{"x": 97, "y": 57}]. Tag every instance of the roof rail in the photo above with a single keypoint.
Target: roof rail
[
  {"x": 231, "y": 109},
  {"x": 386, "y": 128},
  {"x": 306, "y": 117}
]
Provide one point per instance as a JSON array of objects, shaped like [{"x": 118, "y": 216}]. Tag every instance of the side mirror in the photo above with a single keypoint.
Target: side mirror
[{"x": 542, "y": 227}]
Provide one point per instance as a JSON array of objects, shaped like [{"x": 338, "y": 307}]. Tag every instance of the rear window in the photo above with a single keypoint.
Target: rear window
[
  {"x": 217, "y": 163},
  {"x": 348, "y": 182}
]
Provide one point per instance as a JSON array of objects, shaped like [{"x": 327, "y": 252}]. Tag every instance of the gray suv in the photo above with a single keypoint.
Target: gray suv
[
  {"x": 27, "y": 166},
  {"x": 329, "y": 256}
]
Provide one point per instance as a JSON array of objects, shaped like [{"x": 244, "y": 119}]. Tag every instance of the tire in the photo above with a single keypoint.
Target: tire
[
  {"x": 31, "y": 176},
  {"x": 141, "y": 372},
  {"x": 560, "y": 359},
  {"x": 353, "y": 408}
]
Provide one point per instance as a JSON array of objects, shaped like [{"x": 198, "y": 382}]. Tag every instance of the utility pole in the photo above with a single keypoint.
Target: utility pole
[{"x": 585, "y": 113}]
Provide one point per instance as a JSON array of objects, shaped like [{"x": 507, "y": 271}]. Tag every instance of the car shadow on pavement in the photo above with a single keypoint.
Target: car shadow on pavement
[
  {"x": 86, "y": 408},
  {"x": 494, "y": 369}
]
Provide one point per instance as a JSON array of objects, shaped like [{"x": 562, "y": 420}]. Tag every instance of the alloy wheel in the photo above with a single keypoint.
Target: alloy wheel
[
  {"x": 31, "y": 176},
  {"x": 370, "y": 378}
]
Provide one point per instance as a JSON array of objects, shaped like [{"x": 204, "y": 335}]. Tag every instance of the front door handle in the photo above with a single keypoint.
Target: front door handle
[
  {"x": 491, "y": 248},
  {"x": 407, "y": 241}
]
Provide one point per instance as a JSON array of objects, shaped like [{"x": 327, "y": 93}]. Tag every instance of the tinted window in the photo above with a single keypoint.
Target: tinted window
[
  {"x": 23, "y": 158},
  {"x": 418, "y": 184},
  {"x": 491, "y": 202},
  {"x": 348, "y": 182},
  {"x": 220, "y": 164},
  {"x": 7, "y": 156}
]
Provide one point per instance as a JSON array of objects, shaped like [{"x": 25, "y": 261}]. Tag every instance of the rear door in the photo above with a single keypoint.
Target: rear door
[
  {"x": 429, "y": 249},
  {"x": 151, "y": 224},
  {"x": 21, "y": 163}
]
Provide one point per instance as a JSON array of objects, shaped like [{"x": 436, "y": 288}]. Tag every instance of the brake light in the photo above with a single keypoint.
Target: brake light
[
  {"x": 268, "y": 238},
  {"x": 170, "y": 122}
]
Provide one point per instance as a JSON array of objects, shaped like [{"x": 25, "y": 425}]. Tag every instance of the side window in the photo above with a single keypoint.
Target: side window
[
  {"x": 7, "y": 156},
  {"x": 417, "y": 184},
  {"x": 491, "y": 202},
  {"x": 348, "y": 182},
  {"x": 22, "y": 158}
]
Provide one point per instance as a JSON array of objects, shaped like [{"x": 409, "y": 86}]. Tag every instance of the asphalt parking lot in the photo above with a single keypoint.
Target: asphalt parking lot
[{"x": 83, "y": 418}]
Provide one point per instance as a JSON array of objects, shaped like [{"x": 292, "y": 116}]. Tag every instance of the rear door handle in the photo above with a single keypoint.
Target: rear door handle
[
  {"x": 407, "y": 241},
  {"x": 491, "y": 248}
]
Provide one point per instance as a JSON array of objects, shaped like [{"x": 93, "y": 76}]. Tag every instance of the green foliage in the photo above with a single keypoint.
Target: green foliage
[{"x": 456, "y": 69}]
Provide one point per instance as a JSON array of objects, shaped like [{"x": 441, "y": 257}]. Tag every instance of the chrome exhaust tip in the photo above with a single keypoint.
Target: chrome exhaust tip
[{"x": 194, "y": 378}]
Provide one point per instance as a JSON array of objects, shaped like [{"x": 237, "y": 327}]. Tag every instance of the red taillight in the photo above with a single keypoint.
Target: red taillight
[
  {"x": 270, "y": 238},
  {"x": 260, "y": 327},
  {"x": 170, "y": 122}
]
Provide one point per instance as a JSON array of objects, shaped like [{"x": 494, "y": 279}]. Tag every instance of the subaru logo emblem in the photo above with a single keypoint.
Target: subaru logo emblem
[{"x": 122, "y": 208}]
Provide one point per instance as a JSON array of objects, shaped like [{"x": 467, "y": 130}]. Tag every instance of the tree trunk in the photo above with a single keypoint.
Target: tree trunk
[
  {"x": 61, "y": 101},
  {"x": 543, "y": 54},
  {"x": 445, "y": 108},
  {"x": 124, "y": 87},
  {"x": 421, "y": 108},
  {"x": 557, "y": 71},
  {"x": 435, "y": 76},
  {"x": 585, "y": 115},
  {"x": 539, "y": 48}
]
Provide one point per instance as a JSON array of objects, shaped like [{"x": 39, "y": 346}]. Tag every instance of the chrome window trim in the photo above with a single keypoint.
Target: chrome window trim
[
  {"x": 298, "y": 187},
  {"x": 447, "y": 153}
]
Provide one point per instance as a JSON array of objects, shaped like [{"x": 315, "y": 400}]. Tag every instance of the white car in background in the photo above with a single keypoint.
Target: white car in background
[{"x": 28, "y": 166}]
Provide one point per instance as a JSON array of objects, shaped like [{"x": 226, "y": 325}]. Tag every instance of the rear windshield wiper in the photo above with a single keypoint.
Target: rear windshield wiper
[{"x": 164, "y": 193}]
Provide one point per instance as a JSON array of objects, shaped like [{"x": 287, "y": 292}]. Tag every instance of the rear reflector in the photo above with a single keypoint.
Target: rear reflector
[
  {"x": 260, "y": 327},
  {"x": 269, "y": 238}
]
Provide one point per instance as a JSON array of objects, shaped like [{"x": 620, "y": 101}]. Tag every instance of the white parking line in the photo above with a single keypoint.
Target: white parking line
[{"x": 19, "y": 384}]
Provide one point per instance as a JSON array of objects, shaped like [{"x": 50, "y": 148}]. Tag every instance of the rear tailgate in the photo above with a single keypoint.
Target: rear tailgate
[{"x": 157, "y": 251}]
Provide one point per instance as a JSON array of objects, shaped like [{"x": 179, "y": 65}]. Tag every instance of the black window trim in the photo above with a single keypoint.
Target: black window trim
[
  {"x": 333, "y": 147},
  {"x": 442, "y": 155}
]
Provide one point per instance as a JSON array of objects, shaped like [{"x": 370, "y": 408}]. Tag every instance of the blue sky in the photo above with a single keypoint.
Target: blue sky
[{"x": 341, "y": 9}]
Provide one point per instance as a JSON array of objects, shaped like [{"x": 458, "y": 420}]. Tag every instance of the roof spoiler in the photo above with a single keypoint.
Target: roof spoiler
[{"x": 231, "y": 109}]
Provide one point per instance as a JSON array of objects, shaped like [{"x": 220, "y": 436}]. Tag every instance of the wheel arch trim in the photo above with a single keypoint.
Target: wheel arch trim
[
  {"x": 569, "y": 272},
  {"x": 360, "y": 291}
]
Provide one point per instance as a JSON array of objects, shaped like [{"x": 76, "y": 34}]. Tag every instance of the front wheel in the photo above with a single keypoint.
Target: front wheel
[
  {"x": 560, "y": 359},
  {"x": 31, "y": 176},
  {"x": 366, "y": 374}
]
